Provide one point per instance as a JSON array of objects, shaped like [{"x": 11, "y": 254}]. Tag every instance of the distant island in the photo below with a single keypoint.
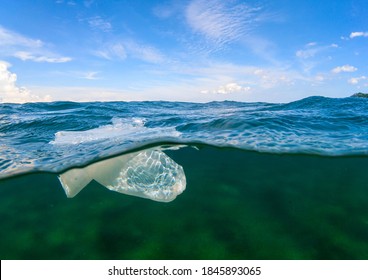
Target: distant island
[{"x": 360, "y": 94}]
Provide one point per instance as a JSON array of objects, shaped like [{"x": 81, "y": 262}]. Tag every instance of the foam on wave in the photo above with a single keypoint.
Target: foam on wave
[{"x": 132, "y": 128}]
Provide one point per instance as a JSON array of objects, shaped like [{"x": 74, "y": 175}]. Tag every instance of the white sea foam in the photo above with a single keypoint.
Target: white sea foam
[{"x": 132, "y": 129}]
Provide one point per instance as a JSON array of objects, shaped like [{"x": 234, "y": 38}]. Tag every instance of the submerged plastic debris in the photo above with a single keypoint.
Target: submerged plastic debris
[{"x": 149, "y": 174}]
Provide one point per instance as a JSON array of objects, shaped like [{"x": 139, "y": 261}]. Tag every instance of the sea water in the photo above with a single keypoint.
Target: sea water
[{"x": 263, "y": 181}]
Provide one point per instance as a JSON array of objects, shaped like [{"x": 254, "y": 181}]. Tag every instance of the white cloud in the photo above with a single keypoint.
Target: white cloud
[
  {"x": 220, "y": 22},
  {"x": 311, "y": 44},
  {"x": 87, "y": 75},
  {"x": 271, "y": 78},
  {"x": 40, "y": 58},
  {"x": 221, "y": 81},
  {"x": 144, "y": 52},
  {"x": 344, "y": 68},
  {"x": 98, "y": 23},
  {"x": 16, "y": 45},
  {"x": 358, "y": 34},
  {"x": 118, "y": 50},
  {"x": 91, "y": 75},
  {"x": 69, "y": 3},
  {"x": 10, "y": 38},
  {"x": 228, "y": 89},
  {"x": 356, "y": 80},
  {"x": 10, "y": 92},
  {"x": 310, "y": 50},
  {"x": 129, "y": 48},
  {"x": 102, "y": 54},
  {"x": 255, "y": 77},
  {"x": 112, "y": 51},
  {"x": 306, "y": 53}
]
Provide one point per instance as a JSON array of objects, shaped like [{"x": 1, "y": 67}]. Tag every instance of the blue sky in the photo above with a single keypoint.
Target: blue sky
[{"x": 196, "y": 50}]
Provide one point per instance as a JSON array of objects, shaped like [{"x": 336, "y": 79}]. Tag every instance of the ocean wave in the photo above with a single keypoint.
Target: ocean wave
[{"x": 57, "y": 136}]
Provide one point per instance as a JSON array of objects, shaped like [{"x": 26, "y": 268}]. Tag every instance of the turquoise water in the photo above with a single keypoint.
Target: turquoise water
[{"x": 263, "y": 181}]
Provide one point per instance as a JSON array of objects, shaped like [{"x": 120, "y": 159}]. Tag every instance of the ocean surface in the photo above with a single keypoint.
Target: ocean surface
[{"x": 172, "y": 180}]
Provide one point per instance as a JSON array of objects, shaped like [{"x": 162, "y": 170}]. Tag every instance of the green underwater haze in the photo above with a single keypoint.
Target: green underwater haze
[{"x": 237, "y": 205}]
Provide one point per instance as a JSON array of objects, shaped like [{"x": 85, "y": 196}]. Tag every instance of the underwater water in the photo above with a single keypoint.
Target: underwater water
[{"x": 263, "y": 181}]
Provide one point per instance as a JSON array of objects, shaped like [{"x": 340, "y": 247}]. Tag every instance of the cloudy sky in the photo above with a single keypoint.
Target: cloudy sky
[{"x": 178, "y": 50}]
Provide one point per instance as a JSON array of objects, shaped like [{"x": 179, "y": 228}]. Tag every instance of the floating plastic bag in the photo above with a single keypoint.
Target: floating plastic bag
[{"x": 149, "y": 174}]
